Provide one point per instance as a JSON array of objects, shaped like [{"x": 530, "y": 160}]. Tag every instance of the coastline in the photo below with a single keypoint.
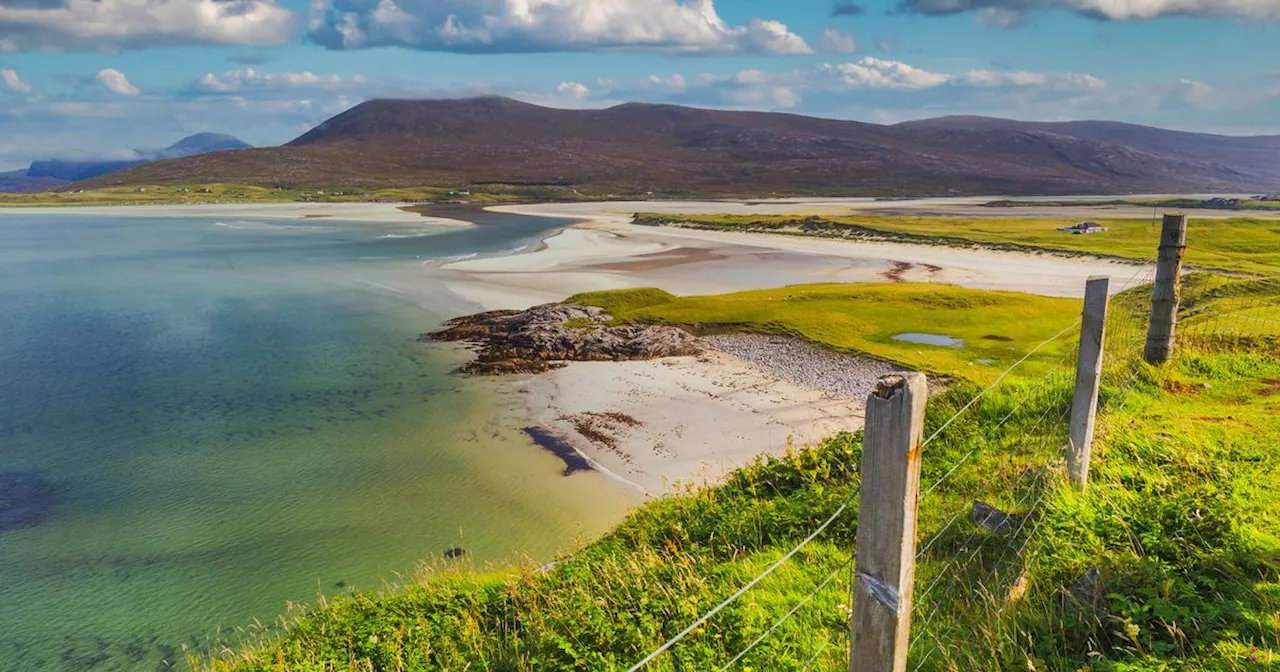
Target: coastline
[
  {"x": 660, "y": 425},
  {"x": 380, "y": 213},
  {"x": 604, "y": 250},
  {"x": 655, "y": 425}
]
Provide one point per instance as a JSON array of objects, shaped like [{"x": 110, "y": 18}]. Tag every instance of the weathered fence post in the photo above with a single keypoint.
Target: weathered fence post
[
  {"x": 1084, "y": 405},
  {"x": 886, "y": 553},
  {"x": 1165, "y": 296}
]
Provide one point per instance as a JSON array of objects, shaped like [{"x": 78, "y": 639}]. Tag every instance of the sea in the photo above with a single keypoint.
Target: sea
[{"x": 207, "y": 422}]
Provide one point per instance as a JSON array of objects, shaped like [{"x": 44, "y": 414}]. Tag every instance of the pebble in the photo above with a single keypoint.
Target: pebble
[{"x": 802, "y": 363}]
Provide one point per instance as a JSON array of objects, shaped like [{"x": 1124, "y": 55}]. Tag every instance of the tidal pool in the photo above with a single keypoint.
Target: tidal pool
[{"x": 930, "y": 339}]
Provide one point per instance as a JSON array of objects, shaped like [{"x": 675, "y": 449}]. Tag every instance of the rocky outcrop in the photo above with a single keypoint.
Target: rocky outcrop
[{"x": 543, "y": 337}]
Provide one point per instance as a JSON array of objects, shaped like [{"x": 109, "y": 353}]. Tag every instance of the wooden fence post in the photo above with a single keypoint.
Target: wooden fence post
[
  {"x": 1166, "y": 294},
  {"x": 886, "y": 552},
  {"x": 1084, "y": 405}
]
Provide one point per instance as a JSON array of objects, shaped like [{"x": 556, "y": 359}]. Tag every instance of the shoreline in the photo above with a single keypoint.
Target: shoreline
[
  {"x": 374, "y": 213},
  {"x": 659, "y": 425},
  {"x": 603, "y": 250}
]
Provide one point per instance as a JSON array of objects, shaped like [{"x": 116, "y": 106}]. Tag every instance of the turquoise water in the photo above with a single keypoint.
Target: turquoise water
[{"x": 221, "y": 417}]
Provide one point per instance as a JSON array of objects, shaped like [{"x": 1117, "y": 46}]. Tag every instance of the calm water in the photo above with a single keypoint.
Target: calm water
[{"x": 220, "y": 417}]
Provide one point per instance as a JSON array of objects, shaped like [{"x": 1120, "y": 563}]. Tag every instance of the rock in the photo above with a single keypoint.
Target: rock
[
  {"x": 455, "y": 552},
  {"x": 990, "y": 518},
  {"x": 541, "y": 337}
]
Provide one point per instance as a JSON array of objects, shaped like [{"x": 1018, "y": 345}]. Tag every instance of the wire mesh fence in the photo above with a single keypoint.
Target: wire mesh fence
[{"x": 993, "y": 460}]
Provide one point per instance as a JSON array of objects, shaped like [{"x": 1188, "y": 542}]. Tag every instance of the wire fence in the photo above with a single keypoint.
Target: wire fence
[{"x": 972, "y": 555}]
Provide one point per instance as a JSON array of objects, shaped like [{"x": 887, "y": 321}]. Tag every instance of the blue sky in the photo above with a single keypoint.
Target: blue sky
[{"x": 99, "y": 78}]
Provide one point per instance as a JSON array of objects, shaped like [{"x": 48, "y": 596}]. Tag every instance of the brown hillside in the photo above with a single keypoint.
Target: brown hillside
[{"x": 679, "y": 150}]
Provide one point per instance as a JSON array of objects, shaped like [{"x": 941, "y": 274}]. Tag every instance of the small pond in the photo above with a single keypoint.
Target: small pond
[{"x": 930, "y": 339}]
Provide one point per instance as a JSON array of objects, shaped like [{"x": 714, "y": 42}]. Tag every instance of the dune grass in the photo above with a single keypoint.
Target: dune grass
[
  {"x": 996, "y": 328},
  {"x": 1238, "y": 244}
]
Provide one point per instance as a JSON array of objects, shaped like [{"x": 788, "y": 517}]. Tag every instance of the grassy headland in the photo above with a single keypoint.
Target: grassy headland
[
  {"x": 1237, "y": 244},
  {"x": 994, "y": 329},
  {"x": 1180, "y": 522}
]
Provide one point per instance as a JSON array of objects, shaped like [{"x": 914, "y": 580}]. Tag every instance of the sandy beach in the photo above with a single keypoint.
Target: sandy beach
[
  {"x": 656, "y": 425},
  {"x": 605, "y": 251}
]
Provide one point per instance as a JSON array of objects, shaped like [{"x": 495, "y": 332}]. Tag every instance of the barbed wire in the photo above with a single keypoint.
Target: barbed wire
[
  {"x": 785, "y": 617},
  {"x": 741, "y": 591}
]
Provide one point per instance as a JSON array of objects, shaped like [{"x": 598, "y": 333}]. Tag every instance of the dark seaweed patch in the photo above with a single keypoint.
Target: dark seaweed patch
[{"x": 573, "y": 461}]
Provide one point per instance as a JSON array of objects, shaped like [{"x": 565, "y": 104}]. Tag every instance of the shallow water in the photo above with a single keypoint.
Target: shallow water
[
  {"x": 930, "y": 339},
  {"x": 233, "y": 415}
]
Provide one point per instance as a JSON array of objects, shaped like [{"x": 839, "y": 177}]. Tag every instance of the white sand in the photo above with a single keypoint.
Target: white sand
[
  {"x": 700, "y": 417},
  {"x": 605, "y": 251}
]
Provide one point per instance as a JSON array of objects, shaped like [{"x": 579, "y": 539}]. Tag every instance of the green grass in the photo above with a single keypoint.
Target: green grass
[
  {"x": 1236, "y": 244},
  {"x": 997, "y": 328},
  {"x": 1246, "y": 204},
  {"x": 1182, "y": 521}
]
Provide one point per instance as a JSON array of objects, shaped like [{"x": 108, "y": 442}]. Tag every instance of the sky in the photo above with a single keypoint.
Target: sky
[{"x": 106, "y": 78}]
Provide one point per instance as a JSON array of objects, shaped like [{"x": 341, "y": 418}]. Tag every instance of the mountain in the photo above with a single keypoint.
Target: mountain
[
  {"x": 54, "y": 172},
  {"x": 668, "y": 149},
  {"x": 17, "y": 182}
]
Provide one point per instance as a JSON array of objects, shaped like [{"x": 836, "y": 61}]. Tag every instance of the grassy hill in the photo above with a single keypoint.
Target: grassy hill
[
  {"x": 636, "y": 149},
  {"x": 1180, "y": 522}
]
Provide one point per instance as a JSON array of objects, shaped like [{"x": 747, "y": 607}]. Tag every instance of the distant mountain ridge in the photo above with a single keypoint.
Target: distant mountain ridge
[
  {"x": 639, "y": 148},
  {"x": 50, "y": 173}
]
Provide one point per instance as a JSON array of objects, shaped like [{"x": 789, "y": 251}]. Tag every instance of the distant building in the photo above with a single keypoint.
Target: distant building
[{"x": 1083, "y": 227}]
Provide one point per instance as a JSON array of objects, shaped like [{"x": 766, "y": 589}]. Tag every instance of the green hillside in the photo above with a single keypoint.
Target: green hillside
[{"x": 1180, "y": 520}]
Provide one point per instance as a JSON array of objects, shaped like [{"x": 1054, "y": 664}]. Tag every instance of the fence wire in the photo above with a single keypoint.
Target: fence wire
[{"x": 974, "y": 567}]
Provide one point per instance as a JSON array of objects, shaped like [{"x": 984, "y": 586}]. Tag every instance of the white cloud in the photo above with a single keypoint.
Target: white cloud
[
  {"x": 115, "y": 82},
  {"x": 249, "y": 78},
  {"x": 1194, "y": 92},
  {"x": 876, "y": 73},
  {"x": 673, "y": 84},
  {"x": 573, "y": 90},
  {"x": 11, "y": 82},
  {"x": 513, "y": 26},
  {"x": 113, "y": 25},
  {"x": 836, "y": 41},
  {"x": 1009, "y": 12},
  {"x": 1055, "y": 80}
]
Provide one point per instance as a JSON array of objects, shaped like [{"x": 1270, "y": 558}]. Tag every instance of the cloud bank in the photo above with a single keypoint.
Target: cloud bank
[
  {"x": 1007, "y": 13},
  {"x": 508, "y": 26},
  {"x": 116, "y": 25}
]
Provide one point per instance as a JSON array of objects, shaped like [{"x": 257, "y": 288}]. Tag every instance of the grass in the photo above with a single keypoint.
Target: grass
[
  {"x": 1245, "y": 204},
  {"x": 997, "y": 328},
  {"x": 1180, "y": 523},
  {"x": 1241, "y": 245}
]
